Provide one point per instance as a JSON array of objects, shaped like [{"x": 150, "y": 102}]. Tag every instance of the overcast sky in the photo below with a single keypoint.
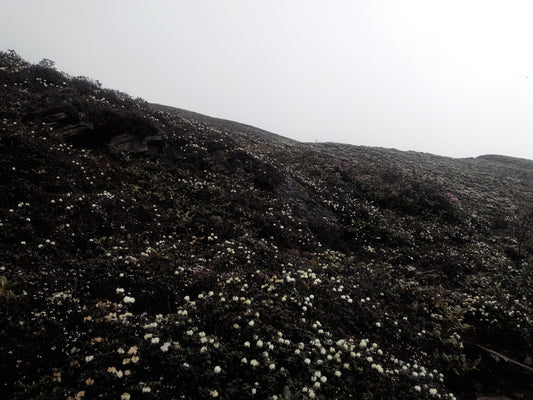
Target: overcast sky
[{"x": 451, "y": 77}]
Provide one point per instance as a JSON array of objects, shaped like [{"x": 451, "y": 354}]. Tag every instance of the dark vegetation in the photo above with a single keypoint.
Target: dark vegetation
[{"x": 150, "y": 252}]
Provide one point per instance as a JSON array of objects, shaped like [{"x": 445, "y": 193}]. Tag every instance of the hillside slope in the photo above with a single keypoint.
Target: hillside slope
[{"x": 157, "y": 253}]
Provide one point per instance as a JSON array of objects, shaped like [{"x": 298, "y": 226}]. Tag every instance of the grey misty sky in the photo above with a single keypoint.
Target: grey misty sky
[{"x": 444, "y": 77}]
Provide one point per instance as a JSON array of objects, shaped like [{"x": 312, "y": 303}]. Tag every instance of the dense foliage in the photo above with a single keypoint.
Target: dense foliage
[{"x": 149, "y": 252}]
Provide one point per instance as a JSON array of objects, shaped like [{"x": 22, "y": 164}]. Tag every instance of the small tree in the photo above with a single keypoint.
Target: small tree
[
  {"x": 45, "y": 70},
  {"x": 46, "y": 63}
]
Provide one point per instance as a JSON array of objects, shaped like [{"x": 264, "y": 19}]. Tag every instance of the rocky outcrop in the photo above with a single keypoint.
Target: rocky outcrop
[
  {"x": 130, "y": 144},
  {"x": 322, "y": 222},
  {"x": 75, "y": 130},
  {"x": 114, "y": 136}
]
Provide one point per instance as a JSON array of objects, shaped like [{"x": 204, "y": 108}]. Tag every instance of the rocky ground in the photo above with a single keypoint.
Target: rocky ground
[{"x": 151, "y": 252}]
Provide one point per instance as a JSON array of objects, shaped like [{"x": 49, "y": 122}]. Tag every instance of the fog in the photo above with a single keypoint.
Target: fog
[{"x": 445, "y": 77}]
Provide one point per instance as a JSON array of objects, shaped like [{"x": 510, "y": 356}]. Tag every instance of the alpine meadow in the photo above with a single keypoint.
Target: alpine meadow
[{"x": 150, "y": 252}]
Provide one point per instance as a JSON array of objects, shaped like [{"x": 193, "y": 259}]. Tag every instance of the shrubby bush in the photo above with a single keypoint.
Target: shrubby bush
[
  {"x": 523, "y": 229},
  {"x": 208, "y": 269}
]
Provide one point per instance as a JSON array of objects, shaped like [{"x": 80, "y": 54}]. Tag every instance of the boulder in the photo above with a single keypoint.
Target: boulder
[
  {"x": 127, "y": 143},
  {"x": 75, "y": 130}
]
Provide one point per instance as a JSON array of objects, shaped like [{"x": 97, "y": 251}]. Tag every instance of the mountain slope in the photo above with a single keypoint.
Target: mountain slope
[{"x": 159, "y": 253}]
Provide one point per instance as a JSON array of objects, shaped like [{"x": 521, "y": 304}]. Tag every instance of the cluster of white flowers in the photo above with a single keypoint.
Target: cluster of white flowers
[{"x": 254, "y": 363}]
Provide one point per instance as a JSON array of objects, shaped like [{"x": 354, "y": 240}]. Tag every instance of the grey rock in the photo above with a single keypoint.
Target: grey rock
[
  {"x": 81, "y": 128},
  {"x": 127, "y": 143}
]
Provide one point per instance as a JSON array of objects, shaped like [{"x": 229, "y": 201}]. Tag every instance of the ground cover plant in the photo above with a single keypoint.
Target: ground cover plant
[{"x": 148, "y": 252}]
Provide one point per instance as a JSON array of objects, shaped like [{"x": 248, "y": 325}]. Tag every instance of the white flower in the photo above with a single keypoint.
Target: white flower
[
  {"x": 217, "y": 369},
  {"x": 251, "y": 323},
  {"x": 377, "y": 367},
  {"x": 254, "y": 363},
  {"x": 213, "y": 393},
  {"x": 307, "y": 361},
  {"x": 165, "y": 347},
  {"x": 155, "y": 340},
  {"x": 433, "y": 391},
  {"x": 338, "y": 374},
  {"x": 128, "y": 299},
  {"x": 125, "y": 396},
  {"x": 272, "y": 366},
  {"x": 259, "y": 343},
  {"x": 418, "y": 388},
  {"x": 89, "y": 358},
  {"x": 146, "y": 389}
]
